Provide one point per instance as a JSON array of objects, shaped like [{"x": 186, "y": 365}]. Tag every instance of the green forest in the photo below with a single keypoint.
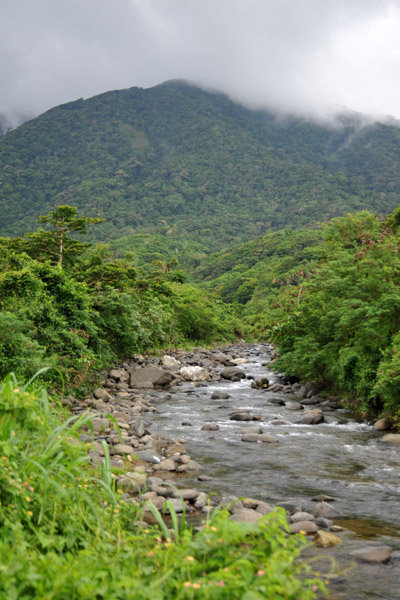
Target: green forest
[{"x": 141, "y": 221}]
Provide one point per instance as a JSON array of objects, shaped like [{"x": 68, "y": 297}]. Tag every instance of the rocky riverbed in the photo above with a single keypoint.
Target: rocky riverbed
[{"x": 220, "y": 425}]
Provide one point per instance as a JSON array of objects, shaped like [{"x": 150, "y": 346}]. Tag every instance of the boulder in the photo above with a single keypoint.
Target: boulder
[
  {"x": 140, "y": 376},
  {"x": 210, "y": 427},
  {"x": 326, "y": 539},
  {"x": 233, "y": 373},
  {"x": 118, "y": 374},
  {"x": 101, "y": 394},
  {"x": 311, "y": 417},
  {"x": 373, "y": 554},
  {"x": 306, "y": 527},
  {"x": 149, "y": 456},
  {"x": 391, "y": 438},
  {"x": 384, "y": 424},
  {"x": 243, "y": 416},
  {"x": 170, "y": 362},
  {"x": 194, "y": 373},
  {"x": 245, "y": 515}
]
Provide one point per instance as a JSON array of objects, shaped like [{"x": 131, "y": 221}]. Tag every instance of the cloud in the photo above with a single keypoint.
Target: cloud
[{"x": 306, "y": 56}]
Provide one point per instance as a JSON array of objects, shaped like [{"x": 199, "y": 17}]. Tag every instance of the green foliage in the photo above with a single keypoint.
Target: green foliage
[
  {"x": 340, "y": 324},
  {"x": 66, "y": 533},
  {"x": 187, "y": 164}
]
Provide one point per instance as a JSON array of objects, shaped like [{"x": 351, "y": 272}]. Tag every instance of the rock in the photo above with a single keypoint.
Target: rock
[
  {"x": 176, "y": 449},
  {"x": 100, "y": 424},
  {"x": 240, "y": 361},
  {"x": 233, "y": 373},
  {"x": 118, "y": 374},
  {"x": 149, "y": 456},
  {"x": 166, "y": 465},
  {"x": 252, "y": 429},
  {"x": 276, "y": 387},
  {"x": 327, "y": 511},
  {"x": 291, "y": 506},
  {"x": 210, "y": 427},
  {"x": 311, "y": 417},
  {"x": 323, "y": 498},
  {"x": 391, "y": 438},
  {"x": 243, "y": 416},
  {"x": 122, "y": 449},
  {"x": 190, "y": 466},
  {"x": 194, "y": 373},
  {"x": 220, "y": 396},
  {"x": 373, "y": 554},
  {"x": 177, "y": 504},
  {"x": 259, "y": 437},
  {"x": 326, "y": 539},
  {"x": 132, "y": 482},
  {"x": 260, "y": 384},
  {"x": 201, "y": 500},
  {"x": 102, "y": 394},
  {"x": 170, "y": 362},
  {"x": 245, "y": 515},
  {"x": 224, "y": 359},
  {"x": 186, "y": 494},
  {"x": 306, "y": 527},
  {"x": 293, "y": 406},
  {"x": 301, "y": 516},
  {"x": 323, "y": 523},
  {"x": 232, "y": 503},
  {"x": 140, "y": 376},
  {"x": 383, "y": 424},
  {"x": 122, "y": 416}
]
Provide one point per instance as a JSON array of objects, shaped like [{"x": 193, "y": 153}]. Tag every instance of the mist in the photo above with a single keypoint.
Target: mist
[{"x": 305, "y": 57}]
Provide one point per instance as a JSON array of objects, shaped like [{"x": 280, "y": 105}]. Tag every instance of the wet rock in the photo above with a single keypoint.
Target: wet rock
[
  {"x": 323, "y": 523},
  {"x": 279, "y": 422},
  {"x": 232, "y": 503},
  {"x": 122, "y": 416},
  {"x": 311, "y": 417},
  {"x": 259, "y": 437},
  {"x": 323, "y": 498},
  {"x": 210, "y": 427},
  {"x": 186, "y": 494},
  {"x": 132, "y": 482},
  {"x": 293, "y": 406},
  {"x": 233, "y": 374},
  {"x": 327, "y": 511},
  {"x": 220, "y": 396},
  {"x": 190, "y": 466},
  {"x": 165, "y": 465},
  {"x": 276, "y": 401},
  {"x": 100, "y": 424},
  {"x": 373, "y": 554},
  {"x": 252, "y": 429},
  {"x": 194, "y": 373},
  {"x": 307, "y": 527},
  {"x": 291, "y": 506},
  {"x": 176, "y": 448},
  {"x": 260, "y": 384},
  {"x": 326, "y": 539},
  {"x": 186, "y": 424},
  {"x": 276, "y": 387},
  {"x": 243, "y": 416},
  {"x": 391, "y": 438},
  {"x": 118, "y": 374}
]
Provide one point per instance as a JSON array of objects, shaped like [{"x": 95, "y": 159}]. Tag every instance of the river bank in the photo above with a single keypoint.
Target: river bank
[{"x": 296, "y": 451}]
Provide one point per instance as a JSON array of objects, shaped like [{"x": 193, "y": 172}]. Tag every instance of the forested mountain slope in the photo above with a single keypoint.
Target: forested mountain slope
[{"x": 190, "y": 164}]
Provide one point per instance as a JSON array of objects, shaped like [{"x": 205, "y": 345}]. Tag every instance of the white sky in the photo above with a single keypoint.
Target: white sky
[{"x": 307, "y": 56}]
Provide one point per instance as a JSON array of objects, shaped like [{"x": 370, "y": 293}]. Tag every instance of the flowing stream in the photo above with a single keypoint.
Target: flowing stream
[{"x": 340, "y": 457}]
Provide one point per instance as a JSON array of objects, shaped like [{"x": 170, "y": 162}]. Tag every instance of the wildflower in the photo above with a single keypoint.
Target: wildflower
[
  {"x": 27, "y": 498},
  {"x": 30, "y": 513},
  {"x": 17, "y": 391},
  {"x": 187, "y": 584},
  {"x": 105, "y": 503},
  {"x": 196, "y": 586},
  {"x": 30, "y": 488},
  {"x": 260, "y": 573},
  {"x": 150, "y": 554},
  {"x": 220, "y": 583},
  {"x": 190, "y": 559}
]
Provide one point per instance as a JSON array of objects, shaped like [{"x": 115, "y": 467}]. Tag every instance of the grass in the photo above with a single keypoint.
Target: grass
[{"x": 67, "y": 534}]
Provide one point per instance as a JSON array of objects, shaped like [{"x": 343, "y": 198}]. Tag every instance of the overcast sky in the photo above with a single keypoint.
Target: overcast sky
[{"x": 308, "y": 56}]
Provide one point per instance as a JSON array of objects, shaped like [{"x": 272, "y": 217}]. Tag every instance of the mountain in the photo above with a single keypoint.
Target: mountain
[{"x": 186, "y": 163}]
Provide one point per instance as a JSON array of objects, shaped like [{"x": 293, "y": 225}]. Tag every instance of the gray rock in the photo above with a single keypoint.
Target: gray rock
[
  {"x": 391, "y": 438},
  {"x": 145, "y": 375},
  {"x": 186, "y": 494},
  {"x": 210, "y": 427},
  {"x": 220, "y": 396},
  {"x": 293, "y": 406},
  {"x": 233, "y": 373},
  {"x": 170, "y": 362},
  {"x": 307, "y": 527},
  {"x": 101, "y": 394},
  {"x": 301, "y": 516},
  {"x": 259, "y": 437},
  {"x": 383, "y": 424},
  {"x": 260, "y": 384},
  {"x": 245, "y": 515},
  {"x": 243, "y": 416},
  {"x": 311, "y": 417},
  {"x": 166, "y": 465},
  {"x": 327, "y": 511},
  {"x": 132, "y": 483},
  {"x": 122, "y": 449},
  {"x": 149, "y": 456},
  {"x": 192, "y": 465},
  {"x": 194, "y": 373},
  {"x": 373, "y": 554},
  {"x": 118, "y": 374}
]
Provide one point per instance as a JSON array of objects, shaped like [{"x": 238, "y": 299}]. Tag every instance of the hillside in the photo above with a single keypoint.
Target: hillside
[{"x": 183, "y": 162}]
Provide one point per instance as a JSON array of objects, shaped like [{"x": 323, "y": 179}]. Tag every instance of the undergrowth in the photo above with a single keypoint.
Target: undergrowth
[{"x": 66, "y": 533}]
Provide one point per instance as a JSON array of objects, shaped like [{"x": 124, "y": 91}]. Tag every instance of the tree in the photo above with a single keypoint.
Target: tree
[{"x": 56, "y": 243}]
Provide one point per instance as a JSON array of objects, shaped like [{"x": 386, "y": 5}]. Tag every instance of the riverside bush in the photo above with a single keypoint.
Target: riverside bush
[{"x": 66, "y": 533}]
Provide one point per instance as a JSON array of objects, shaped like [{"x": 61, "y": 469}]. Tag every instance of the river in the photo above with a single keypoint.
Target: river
[{"x": 341, "y": 457}]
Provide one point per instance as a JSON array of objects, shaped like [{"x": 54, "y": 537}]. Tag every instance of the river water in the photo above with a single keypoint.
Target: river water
[{"x": 340, "y": 457}]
